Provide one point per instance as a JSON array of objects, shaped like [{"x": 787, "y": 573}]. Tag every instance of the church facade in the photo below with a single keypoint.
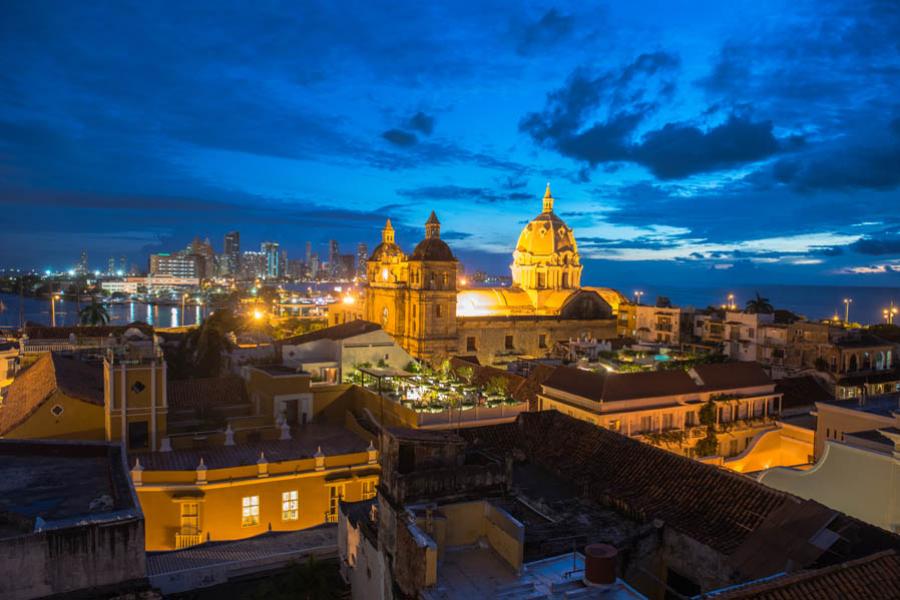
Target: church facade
[{"x": 417, "y": 298}]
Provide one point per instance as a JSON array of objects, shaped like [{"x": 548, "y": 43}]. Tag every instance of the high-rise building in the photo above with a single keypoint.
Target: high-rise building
[
  {"x": 206, "y": 257},
  {"x": 123, "y": 265},
  {"x": 346, "y": 266},
  {"x": 362, "y": 255},
  {"x": 111, "y": 266},
  {"x": 253, "y": 264},
  {"x": 178, "y": 264},
  {"x": 232, "y": 252},
  {"x": 83, "y": 262},
  {"x": 308, "y": 252},
  {"x": 282, "y": 263},
  {"x": 334, "y": 258},
  {"x": 314, "y": 266},
  {"x": 273, "y": 259}
]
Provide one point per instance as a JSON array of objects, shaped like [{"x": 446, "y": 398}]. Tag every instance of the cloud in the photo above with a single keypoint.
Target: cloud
[
  {"x": 421, "y": 122},
  {"x": 629, "y": 97},
  {"x": 437, "y": 193},
  {"x": 552, "y": 28},
  {"x": 876, "y": 247},
  {"x": 400, "y": 138}
]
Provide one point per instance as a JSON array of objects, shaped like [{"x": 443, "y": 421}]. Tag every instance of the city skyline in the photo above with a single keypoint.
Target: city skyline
[{"x": 691, "y": 147}]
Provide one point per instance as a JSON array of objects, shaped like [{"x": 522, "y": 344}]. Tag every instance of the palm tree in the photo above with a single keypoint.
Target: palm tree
[
  {"x": 759, "y": 305},
  {"x": 94, "y": 314}
]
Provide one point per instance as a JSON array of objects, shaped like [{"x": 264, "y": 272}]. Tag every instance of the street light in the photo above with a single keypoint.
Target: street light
[
  {"x": 847, "y": 302},
  {"x": 53, "y": 299},
  {"x": 637, "y": 295},
  {"x": 731, "y": 304}
]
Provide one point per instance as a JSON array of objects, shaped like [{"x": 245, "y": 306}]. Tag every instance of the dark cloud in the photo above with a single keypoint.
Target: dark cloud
[
  {"x": 877, "y": 246},
  {"x": 421, "y": 122},
  {"x": 400, "y": 138},
  {"x": 439, "y": 193},
  {"x": 551, "y": 29},
  {"x": 455, "y": 235},
  {"x": 676, "y": 150}
]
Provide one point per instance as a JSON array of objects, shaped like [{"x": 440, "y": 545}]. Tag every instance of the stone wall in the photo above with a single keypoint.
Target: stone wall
[{"x": 74, "y": 558}]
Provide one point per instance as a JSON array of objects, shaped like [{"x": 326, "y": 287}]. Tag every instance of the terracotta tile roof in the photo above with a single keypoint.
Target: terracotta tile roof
[
  {"x": 711, "y": 505},
  {"x": 197, "y": 394},
  {"x": 714, "y": 506},
  {"x": 306, "y": 440},
  {"x": 801, "y": 391},
  {"x": 51, "y": 372},
  {"x": 531, "y": 387},
  {"x": 336, "y": 332},
  {"x": 732, "y": 375},
  {"x": 611, "y": 387},
  {"x": 875, "y": 577}
]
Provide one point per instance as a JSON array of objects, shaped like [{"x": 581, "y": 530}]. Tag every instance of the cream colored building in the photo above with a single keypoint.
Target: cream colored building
[
  {"x": 666, "y": 408},
  {"x": 419, "y": 300}
]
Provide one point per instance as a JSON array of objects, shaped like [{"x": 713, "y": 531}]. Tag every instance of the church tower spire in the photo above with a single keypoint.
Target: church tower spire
[
  {"x": 387, "y": 234},
  {"x": 432, "y": 227},
  {"x": 548, "y": 200}
]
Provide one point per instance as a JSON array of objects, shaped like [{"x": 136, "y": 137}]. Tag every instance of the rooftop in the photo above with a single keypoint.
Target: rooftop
[
  {"x": 336, "y": 332},
  {"x": 730, "y": 513},
  {"x": 51, "y": 372},
  {"x": 61, "y": 483},
  {"x": 884, "y": 406},
  {"x": 801, "y": 391},
  {"x": 307, "y": 439},
  {"x": 874, "y": 577}
]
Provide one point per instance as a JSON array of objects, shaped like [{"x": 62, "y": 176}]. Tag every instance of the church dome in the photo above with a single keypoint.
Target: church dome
[
  {"x": 387, "y": 249},
  {"x": 433, "y": 247},
  {"x": 546, "y": 255}
]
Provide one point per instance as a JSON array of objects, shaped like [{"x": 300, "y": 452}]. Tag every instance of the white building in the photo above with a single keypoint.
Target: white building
[
  {"x": 743, "y": 334},
  {"x": 152, "y": 283},
  {"x": 332, "y": 354}
]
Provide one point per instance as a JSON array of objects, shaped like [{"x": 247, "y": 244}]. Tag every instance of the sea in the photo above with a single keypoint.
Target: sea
[{"x": 811, "y": 301}]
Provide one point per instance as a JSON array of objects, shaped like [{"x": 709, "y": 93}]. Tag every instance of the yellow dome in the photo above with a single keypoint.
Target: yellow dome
[{"x": 546, "y": 255}]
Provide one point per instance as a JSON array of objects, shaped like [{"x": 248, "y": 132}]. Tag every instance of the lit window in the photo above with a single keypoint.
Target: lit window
[
  {"x": 190, "y": 518},
  {"x": 290, "y": 506},
  {"x": 368, "y": 489},
  {"x": 250, "y": 511},
  {"x": 335, "y": 493}
]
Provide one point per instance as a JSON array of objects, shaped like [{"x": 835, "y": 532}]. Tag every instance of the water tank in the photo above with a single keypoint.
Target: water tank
[{"x": 600, "y": 564}]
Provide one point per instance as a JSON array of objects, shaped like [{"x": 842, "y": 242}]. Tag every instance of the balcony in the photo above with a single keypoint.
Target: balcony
[{"x": 186, "y": 540}]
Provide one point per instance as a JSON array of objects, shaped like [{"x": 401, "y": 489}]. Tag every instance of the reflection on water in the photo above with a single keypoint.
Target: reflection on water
[{"x": 37, "y": 310}]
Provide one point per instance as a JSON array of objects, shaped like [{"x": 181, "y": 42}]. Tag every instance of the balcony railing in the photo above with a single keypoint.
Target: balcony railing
[{"x": 186, "y": 540}]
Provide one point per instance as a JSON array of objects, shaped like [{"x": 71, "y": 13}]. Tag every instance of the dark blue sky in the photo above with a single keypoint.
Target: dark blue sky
[{"x": 722, "y": 141}]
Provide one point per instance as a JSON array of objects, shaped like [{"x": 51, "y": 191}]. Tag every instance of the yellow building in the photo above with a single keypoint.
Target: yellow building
[
  {"x": 418, "y": 300},
  {"x": 54, "y": 398}
]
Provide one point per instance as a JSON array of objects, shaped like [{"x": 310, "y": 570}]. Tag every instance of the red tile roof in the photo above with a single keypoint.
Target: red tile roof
[
  {"x": 336, "y": 332},
  {"x": 875, "y": 577},
  {"x": 732, "y": 375},
  {"x": 802, "y": 391},
  {"x": 50, "y": 373}
]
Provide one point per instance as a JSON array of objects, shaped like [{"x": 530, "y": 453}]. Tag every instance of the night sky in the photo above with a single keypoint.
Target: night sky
[{"x": 723, "y": 141}]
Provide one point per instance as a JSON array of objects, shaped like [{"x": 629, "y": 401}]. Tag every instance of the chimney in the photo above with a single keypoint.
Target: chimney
[
  {"x": 229, "y": 436},
  {"x": 137, "y": 472},
  {"x": 600, "y": 564},
  {"x": 201, "y": 473},
  {"x": 262, "y": 465},
  {"x": 320, "y": 459}
]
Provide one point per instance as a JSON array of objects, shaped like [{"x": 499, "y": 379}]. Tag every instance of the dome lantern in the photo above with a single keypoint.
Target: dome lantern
[{"x": 548, "y": 200}]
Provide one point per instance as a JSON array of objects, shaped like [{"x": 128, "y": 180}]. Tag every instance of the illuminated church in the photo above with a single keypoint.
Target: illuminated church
[{"x": 416, "y": 297}]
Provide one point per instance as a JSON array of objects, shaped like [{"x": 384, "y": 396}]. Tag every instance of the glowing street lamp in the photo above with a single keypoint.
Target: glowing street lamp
[
  {"x": 847, "y": 302},
  {"x": 257, "y": 315},
  {"x": 53, "y": 299},
  {"x": 731, "y": 304},
  {"x": 637, "y": 296}
]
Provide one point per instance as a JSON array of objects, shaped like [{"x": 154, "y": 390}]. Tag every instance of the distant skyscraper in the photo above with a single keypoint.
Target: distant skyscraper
[
  {"x": 334, "y": 258},
  {"x": 111, "y": 266},
  {"x": 232, "y": 252},
  {"x": 83, "y": 262},
  {"x": 253, "y": 264},
  {"x": 362, "y": 255},
  {"x": 123, "y": 266},
  {"x": 314, "y": 266},
  {"x": 308, "y": 252},
  {"x": 273, "y": 259}
]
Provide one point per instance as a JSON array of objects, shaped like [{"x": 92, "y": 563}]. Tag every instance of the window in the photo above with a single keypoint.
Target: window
[
  {"x": 690, "y": 419},
  {"x": 646, "y": 423},
  {"x": 137, "y": 434},
  {"x": 138, "y": 387},
  {"x": 508, "y": 343},
  {"x": 615, "y": 425},
  {"x": 542, "y": 340},
  {"x": 470, "y": 344},
  {"x": 437, "y": 311},
  {"x": 668, "y": 421},
  {"x": 250, "y": 511},
  {"x": 190, "y": 518},
  {"x": 541, "y": 281},
  {"x": 57, "y": 410},
  {"x": 368, "y": 489},
  {"x": 445, "y": 280},
  {"x": 335, "y": 493},
  {"x": 732, "y": 447},
  {"x": 290, "y": 506}
]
